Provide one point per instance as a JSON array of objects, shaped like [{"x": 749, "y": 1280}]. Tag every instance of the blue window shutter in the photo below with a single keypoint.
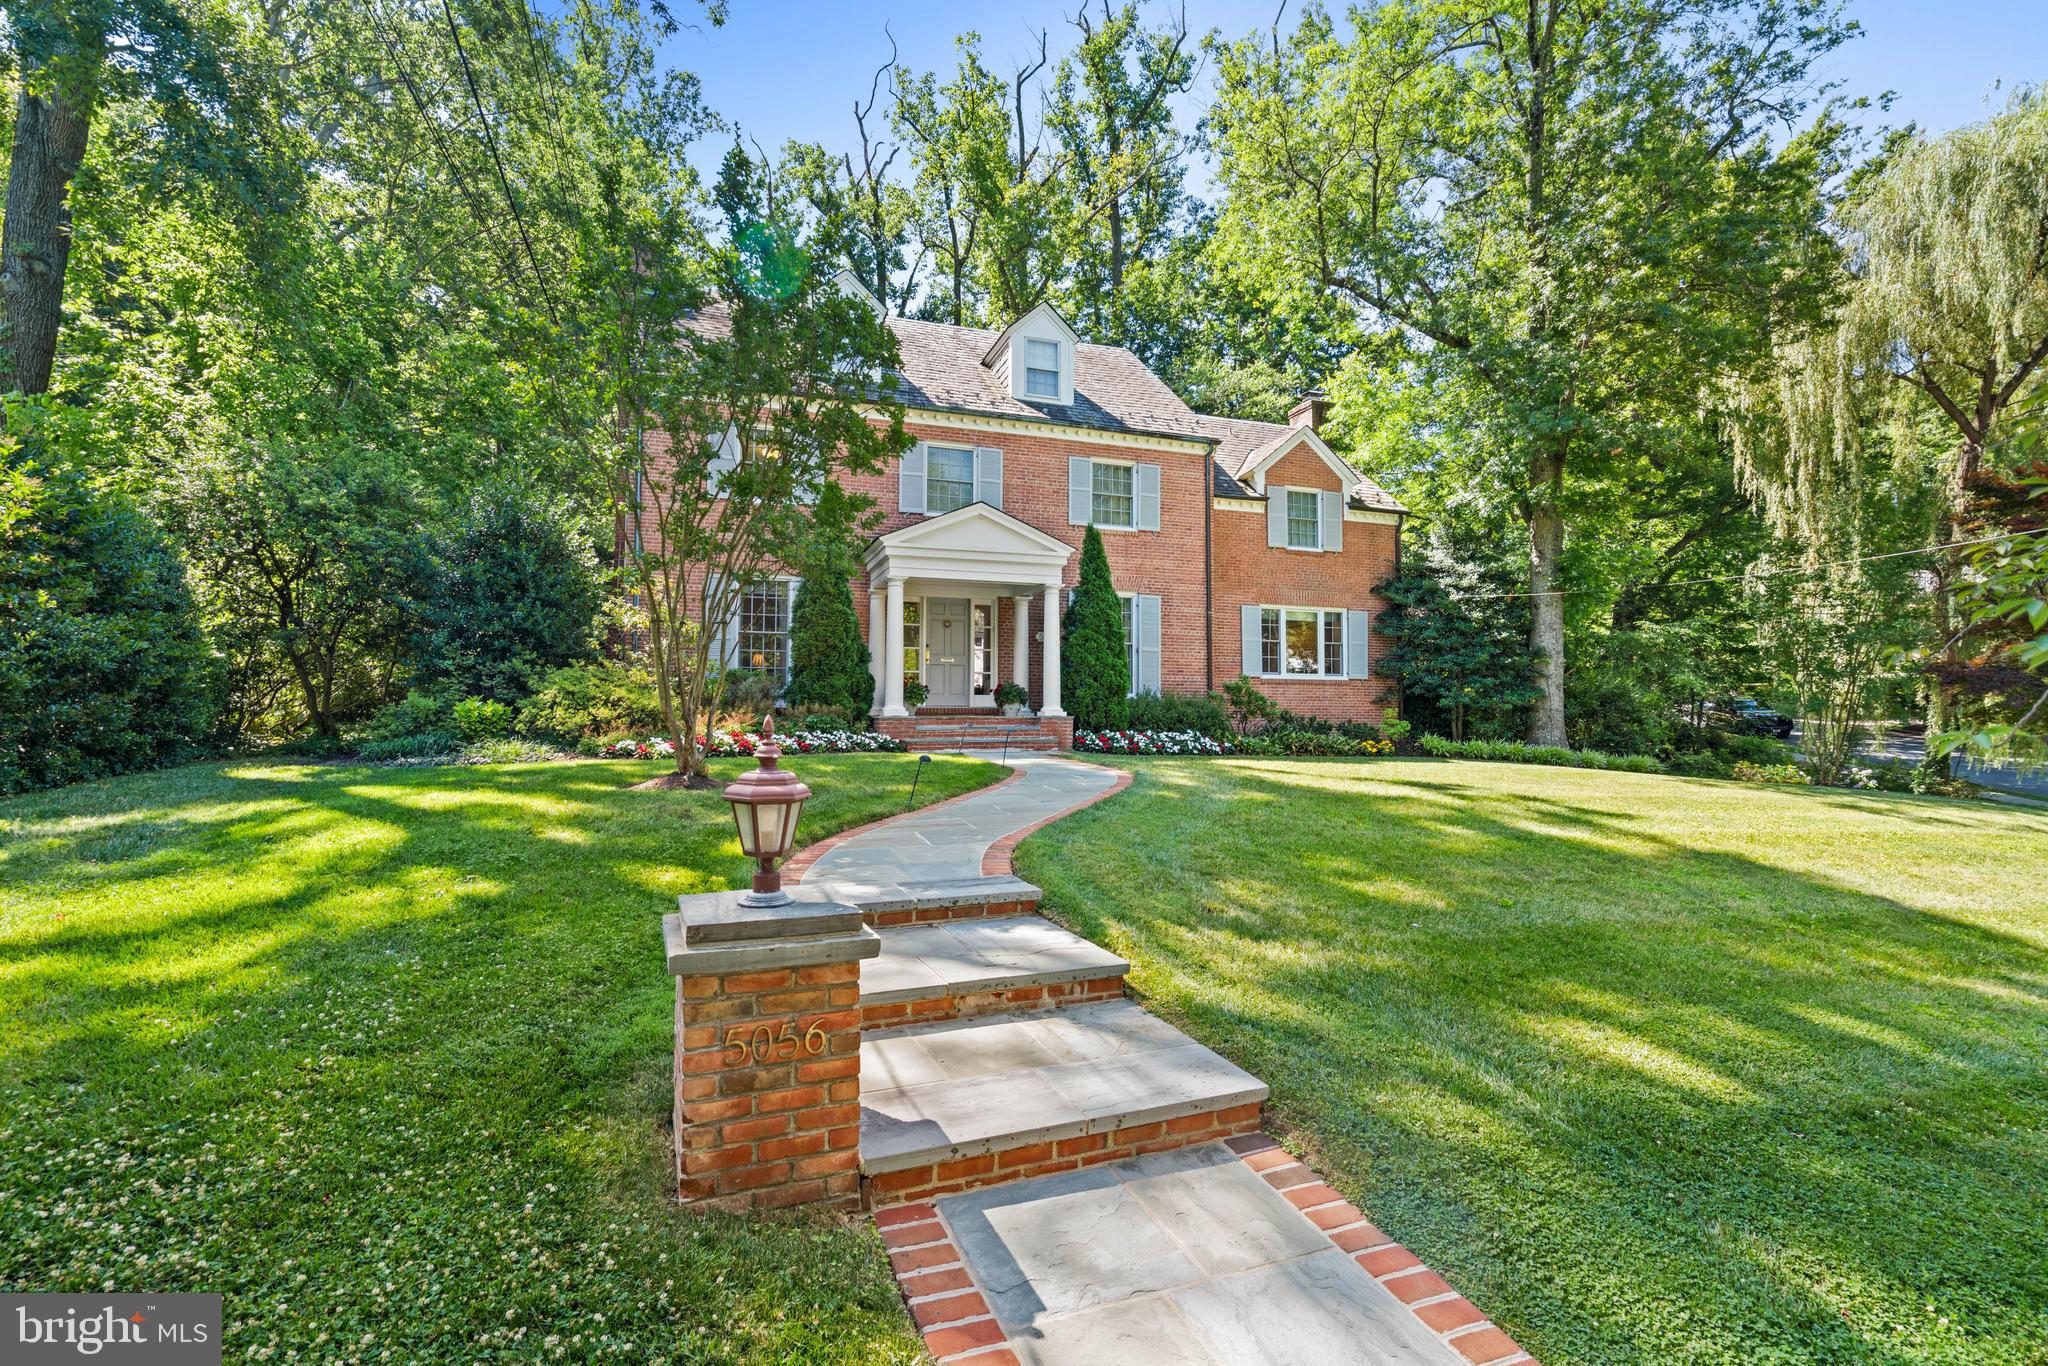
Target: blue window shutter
[
  {"x": 910, "y": 480},
  {"x": 1080, "y": 490},
  {"x": 725, "y": 457},
  {"x": 1333, "y": 519},
  {"x": 1357, "y": 649},
  {"x": 725, "y": 636},
  {"x": 1147, "y": 485},
  {"x": 988, "y": 475},
  {"x": 1276, "y": 516},
  {"x": 1248, "y": 617},
  {"x": 1145, "y": 612}
]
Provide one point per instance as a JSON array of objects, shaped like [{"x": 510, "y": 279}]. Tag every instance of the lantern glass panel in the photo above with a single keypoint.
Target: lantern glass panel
[
  {"x": 769, "y": 819},
  {"x": 750, "y": 839},
  {"x": 796, "y": 811}
]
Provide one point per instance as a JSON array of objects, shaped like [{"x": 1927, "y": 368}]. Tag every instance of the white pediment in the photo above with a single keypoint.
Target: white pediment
[{"x": 976, "y": 542}]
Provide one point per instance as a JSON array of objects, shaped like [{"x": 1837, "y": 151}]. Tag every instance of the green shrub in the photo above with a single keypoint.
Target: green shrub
[
  {"x": 508, "y": 594},
  {"x": 1699, "y": 765},
  {"x": 103, "y": 668},
  {"x": 420, "y": 712},
  {"x": 1250, "y": 709},
  {"x": 824, "y": 718},
  {"x": 1095, "y": 677},
  {"x": 1011, "y": 695},
  {"x": 1771, "y": 773},
  {"x": 603, "y": 698},
  {"x": 480, "y": 718},
  {"x": 1180, "y": 711},
  {"x": 828, "y": 660},
  {"x": 1515, "y": 752},
  {"x": 425, "y": 745},
  {"x": 505, "y": 750},
  {"x": 1396, "y": 729}
]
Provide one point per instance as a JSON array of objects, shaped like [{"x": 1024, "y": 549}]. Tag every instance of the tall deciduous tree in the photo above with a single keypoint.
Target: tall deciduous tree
[
  {"x": 1579, "y": 210},
  {"x": 755, "y": 407},
  {"x": 1943, "y": 331}
]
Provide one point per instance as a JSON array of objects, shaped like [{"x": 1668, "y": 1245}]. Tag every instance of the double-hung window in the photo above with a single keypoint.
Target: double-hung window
[
  {"x": 763, "y": 645},
  {"x": 1041, "y": 368},
  {"x": 949, "y": 478},
  {"x": 1304, "y": 520},
  {"x": 1303, "y": 642},
  {"x": 1115, "y": 496}
]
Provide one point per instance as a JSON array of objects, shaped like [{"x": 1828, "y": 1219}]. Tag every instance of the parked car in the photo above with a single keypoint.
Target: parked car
[{"x": 1747, "y": 716}]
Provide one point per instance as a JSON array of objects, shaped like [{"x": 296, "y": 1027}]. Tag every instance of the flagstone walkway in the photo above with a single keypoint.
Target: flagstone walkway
[
  {"x": 1061, "y": 1194},
  {"x": 965, "y": 837}
]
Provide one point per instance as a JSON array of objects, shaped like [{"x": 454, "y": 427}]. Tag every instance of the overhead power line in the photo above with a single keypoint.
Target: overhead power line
[{"x": 1759, "y": 574}]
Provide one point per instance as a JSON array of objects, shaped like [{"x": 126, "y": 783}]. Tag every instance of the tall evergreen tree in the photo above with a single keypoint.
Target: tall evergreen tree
[
  {"x": 829, "y": 664},
  {"x": 1095, "y": 677}
]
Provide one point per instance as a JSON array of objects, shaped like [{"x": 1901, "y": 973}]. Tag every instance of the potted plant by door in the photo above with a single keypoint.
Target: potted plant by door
[
  {"x": 915, "y": 695},
  {"x": 1012, "y": 698}
]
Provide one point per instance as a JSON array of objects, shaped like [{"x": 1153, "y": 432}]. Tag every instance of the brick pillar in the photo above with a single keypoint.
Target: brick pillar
[{"x": 767, "y": 1109}]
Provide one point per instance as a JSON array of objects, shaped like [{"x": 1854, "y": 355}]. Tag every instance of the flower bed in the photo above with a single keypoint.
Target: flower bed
[
  {"x": 735, "y": 744},
  {"x": 1147, "y": 742}
]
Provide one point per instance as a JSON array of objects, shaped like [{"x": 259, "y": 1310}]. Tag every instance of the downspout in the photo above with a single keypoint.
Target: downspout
[{"x": 1209, "y": 571}]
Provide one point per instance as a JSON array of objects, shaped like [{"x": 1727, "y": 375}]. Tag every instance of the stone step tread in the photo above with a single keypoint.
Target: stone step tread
[
  {"x": 954, "y": 958},
  {"x": 934, "y": 1092}
]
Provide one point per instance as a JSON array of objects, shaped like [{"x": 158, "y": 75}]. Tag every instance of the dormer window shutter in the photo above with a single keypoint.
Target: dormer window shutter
[
  {"x": 725, "y": 457},
  {"x": 910, "y": 480},
  {"x": 1080, "y": 490},
  {"x": 988, "y": 475},
  {"x": 1333, "y": 520},
  {"x": 1276, "y": 516}
]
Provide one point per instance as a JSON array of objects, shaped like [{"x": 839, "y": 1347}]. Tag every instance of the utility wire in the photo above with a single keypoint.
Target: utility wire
[{"x": 1759, "y": 574}]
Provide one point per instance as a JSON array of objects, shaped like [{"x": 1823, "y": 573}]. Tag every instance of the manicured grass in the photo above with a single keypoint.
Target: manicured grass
[
  {"x": 383, "y": 1055},
  {"x": 1654, "y": 1070}
]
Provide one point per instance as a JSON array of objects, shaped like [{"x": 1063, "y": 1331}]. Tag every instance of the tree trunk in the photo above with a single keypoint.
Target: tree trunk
[
  {"x": 1546, "y": 615},
  {"x": 35, "y": 246}
]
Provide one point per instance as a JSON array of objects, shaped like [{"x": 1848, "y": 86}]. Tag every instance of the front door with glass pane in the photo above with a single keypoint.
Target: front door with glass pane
[{"x": 946, "y": 650}]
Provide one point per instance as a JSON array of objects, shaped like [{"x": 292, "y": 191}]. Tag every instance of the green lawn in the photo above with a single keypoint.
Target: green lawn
[
  {"x": 383, "y": 1056},
  {"x": 1654, "y": 1070}
]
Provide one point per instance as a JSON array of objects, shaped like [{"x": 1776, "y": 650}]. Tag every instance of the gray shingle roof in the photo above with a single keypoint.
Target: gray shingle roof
[{"x": 1113, "y": 391}]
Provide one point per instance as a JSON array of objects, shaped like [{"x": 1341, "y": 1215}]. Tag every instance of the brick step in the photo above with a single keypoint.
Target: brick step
[
  {"x": 1042, "y": 743},
  {"x": 974, "y": 1102},
  {"x": 983, "y": 967}
]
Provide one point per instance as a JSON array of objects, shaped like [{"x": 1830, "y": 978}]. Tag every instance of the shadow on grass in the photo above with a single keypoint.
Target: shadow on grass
[
  {"x": 1654, "y": 1071},
  {"x": 405, "y": 1032}
]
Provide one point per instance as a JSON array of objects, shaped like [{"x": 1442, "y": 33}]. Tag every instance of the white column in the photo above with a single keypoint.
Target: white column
[
  {"x": 1052, "y": 654},
  {"x": 878, "y": 643},
  {"x": 892, "y": 648},
  {"x": 1020, "y": 665}
]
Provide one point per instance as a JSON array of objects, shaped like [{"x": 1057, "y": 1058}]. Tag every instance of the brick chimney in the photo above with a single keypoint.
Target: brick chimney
[{"x": 1310, "y": 411}]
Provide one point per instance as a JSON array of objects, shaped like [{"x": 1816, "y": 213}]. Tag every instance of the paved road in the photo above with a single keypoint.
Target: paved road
[{"x": 1908, "y": 745}]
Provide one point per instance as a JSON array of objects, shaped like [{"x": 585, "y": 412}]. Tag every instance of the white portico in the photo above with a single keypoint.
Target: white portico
[{"x": 934, "y": 604}]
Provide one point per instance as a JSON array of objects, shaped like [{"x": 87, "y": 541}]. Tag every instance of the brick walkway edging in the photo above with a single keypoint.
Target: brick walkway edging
[
  {"x": 1454, "y": 1319},
  {"x": 996, "y": 862},
  {"x": 799, "y": 863},
  {"x": 960, "y": 1330}
]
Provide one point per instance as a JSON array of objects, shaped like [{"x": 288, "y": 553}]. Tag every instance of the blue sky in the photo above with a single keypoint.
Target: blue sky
[{"x": 792, "y": 68}]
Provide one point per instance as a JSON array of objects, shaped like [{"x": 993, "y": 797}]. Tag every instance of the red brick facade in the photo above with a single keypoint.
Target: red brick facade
[{"x": 1208, "y": 558}]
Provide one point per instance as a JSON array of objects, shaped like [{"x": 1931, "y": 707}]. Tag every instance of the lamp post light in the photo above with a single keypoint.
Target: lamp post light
[{"x": 766, "y": 803}]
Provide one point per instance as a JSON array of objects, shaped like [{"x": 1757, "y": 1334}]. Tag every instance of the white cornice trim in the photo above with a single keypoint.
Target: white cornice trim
[{"x": 1015, "y": 426}]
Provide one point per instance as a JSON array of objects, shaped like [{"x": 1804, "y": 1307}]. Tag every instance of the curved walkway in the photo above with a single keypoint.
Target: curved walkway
[{"x": 967, "y": 836}]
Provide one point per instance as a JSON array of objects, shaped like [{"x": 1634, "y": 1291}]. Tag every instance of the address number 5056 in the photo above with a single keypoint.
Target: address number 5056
[{"x": 762, "y": 1044}]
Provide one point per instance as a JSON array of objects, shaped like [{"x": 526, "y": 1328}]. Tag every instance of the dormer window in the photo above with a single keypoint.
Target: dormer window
[
  {"x": 1041, "y": 368},
  {"x": 1035, "y": 358}
]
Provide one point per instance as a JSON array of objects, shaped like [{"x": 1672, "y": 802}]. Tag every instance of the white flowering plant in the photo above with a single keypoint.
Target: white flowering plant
[{"x": 1147, "y": 742}]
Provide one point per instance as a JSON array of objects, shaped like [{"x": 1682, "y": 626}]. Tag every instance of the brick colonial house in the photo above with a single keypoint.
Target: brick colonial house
[{"x": 1238, "y": 547}]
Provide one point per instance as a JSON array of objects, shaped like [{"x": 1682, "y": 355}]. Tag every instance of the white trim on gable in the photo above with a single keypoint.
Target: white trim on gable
[
  {"x": 1008, "y": 356},
  {"x": 974, "y": 544},
  {"x": 1255, "y": 474}
]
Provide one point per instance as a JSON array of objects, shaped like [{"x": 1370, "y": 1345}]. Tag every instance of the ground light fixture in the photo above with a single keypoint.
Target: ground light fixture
[{"x": 766, "y": 803}]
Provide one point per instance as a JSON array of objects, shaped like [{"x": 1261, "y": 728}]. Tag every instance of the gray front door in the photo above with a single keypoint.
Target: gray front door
[{"x": 946, "y": 631}]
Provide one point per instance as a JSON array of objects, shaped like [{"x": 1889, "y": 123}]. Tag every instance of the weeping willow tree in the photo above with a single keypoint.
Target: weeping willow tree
[{"x": 1942, "y": 330}]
